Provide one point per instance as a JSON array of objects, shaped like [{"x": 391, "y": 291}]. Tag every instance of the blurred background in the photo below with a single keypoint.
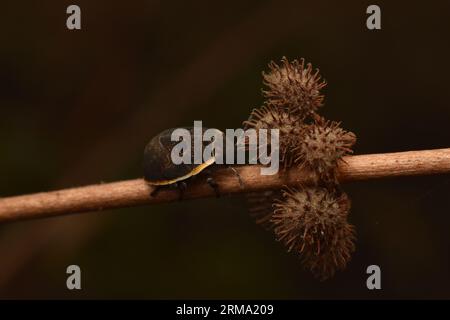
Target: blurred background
[{"x": 78, "y": 107}]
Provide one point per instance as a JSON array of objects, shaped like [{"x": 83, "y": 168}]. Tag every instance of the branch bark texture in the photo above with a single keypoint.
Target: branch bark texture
[{"x": 137, "y": 192}]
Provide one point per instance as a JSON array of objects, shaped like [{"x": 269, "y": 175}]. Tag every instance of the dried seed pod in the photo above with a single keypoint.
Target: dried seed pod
[
  {"x": 333, "y": 257},
  {"x": 294, "y": 86},
  {"x": 260, "y": 206},
  {"x": 322, "y": 145},
  {"x": 313, "y": 222},
  {"x": 290, "y": 128}
]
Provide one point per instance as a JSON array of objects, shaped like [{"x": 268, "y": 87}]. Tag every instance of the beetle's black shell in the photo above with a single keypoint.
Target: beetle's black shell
[{"x": 158, "y": 165}]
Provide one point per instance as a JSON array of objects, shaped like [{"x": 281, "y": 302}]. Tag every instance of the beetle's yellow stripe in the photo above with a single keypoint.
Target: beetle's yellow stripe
[{"x": 196, "y": 170}]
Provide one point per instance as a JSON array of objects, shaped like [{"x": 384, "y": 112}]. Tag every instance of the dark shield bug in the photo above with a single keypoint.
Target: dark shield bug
[{"x": 160, "y": 169}]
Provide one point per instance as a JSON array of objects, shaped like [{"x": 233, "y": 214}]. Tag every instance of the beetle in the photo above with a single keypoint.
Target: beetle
[{"x": 160, "y": 171}]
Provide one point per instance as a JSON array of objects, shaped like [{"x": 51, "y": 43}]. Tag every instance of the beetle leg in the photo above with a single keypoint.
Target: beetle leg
[
  {"x": 181, "y": 187},
  {"x": 241, "y": 183},
  {"x": 213, "y": 184},
  {"x": 155, "y": 191}
]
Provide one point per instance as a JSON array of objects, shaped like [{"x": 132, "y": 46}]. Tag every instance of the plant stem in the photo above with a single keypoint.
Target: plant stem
[{"x": 137, "y": 192}]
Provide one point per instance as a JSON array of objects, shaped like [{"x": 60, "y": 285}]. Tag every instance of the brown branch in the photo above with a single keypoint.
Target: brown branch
[{"x": 136, "y": 192}]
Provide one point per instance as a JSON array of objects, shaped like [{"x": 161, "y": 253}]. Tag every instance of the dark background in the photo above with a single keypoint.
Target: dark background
[{"x": 78, "y": 107}]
